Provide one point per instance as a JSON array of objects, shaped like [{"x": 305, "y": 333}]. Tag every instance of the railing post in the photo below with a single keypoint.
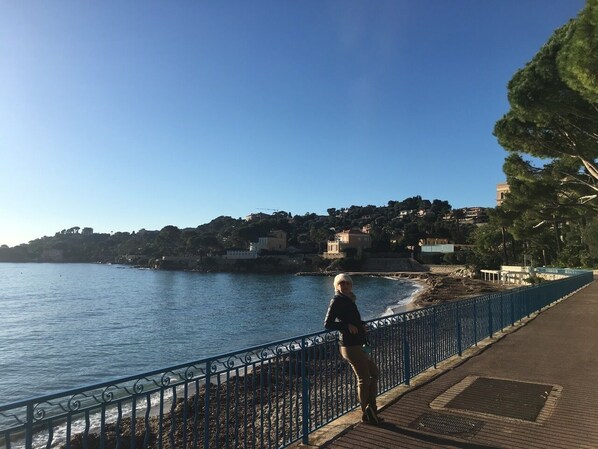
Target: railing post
[
  {"x": 512, "y": 304},
  {"x": 29, "y": 427},
  {"x": 458, "y": 323},
  {"x": 434, "y": 336},
  {"x": 406, "y": 362},
  {"x": 475, "y": 321},
  {"x": 490, "y": 317},
  {"x": 304, "y": 393},
  {"x": 502, "y": 321},
  {"x": 206, "y": 424}
]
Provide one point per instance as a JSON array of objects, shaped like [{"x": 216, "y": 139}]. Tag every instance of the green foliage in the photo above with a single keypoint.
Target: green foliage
[
  {"x": 550, "y": 209},
  {"x": 549, "y": 119},
  {"x": 488, "y": 248},
  {"x": 538, "y": 218},
  {"x": 458, "y": 258},
  {"x": 533, "y": 280},
  {"x": 430, "y": 258},
  {"x": 577, "y": 60},
  {"x": 346, "y": 264},
  {"x": 590, "y": 237}
]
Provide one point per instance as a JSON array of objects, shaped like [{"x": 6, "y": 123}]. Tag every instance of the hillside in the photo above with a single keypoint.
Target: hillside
[{"x": 394, "y": 228}]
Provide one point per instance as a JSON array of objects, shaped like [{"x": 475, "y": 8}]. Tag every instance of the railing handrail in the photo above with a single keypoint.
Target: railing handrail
[{"x": 121, "y": 380}]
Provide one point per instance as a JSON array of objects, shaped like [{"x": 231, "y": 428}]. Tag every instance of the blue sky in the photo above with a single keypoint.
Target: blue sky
[{"x": 128, "y": 115}]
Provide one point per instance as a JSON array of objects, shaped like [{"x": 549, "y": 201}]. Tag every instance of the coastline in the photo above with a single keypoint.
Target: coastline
[
  {"x": 409, "y": 303},
  {"x": 440, "y": 287},
  {"x": 422, "y": 290}
]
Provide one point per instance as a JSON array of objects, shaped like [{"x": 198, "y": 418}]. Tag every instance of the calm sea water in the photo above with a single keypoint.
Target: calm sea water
[{"x": 64, "y": 326}]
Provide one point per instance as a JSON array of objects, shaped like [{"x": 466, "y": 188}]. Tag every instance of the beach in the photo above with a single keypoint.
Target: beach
[{"x": 440, "y": 286}]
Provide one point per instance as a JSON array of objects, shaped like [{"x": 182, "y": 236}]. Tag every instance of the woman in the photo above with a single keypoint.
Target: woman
[{"x": 344, "y": 316}]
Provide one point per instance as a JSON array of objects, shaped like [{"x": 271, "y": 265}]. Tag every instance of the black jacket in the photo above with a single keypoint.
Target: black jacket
[{"x": 342, "y": 311}]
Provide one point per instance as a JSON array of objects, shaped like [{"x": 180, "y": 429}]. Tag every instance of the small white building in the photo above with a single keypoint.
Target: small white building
[
  {"x": 240, "y": 254},
  {"x": 445, "y": 248},
  {"x": 441, "y": 246}
]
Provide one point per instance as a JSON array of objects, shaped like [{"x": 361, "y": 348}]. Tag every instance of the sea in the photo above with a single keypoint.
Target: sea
[{"x": 65, "y": 326}]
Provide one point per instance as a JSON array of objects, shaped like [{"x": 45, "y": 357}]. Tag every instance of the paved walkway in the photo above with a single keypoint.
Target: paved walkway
[{"x": 535, "y": 387}]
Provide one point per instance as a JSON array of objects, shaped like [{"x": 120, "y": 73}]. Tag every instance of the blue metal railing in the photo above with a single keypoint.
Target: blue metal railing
[{"x": 267, "y": 396}]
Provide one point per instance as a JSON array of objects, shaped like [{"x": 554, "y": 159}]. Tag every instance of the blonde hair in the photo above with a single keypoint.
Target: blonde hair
[{"x": 341, "y": 277}]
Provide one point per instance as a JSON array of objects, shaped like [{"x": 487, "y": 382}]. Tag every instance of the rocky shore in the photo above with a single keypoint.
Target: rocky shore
[{"x": 440, "y": 288}]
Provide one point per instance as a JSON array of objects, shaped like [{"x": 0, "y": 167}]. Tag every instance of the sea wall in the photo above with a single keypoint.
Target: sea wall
[
  {"x": 445, "y": 269},
  {"x": 388, "y": 265}
]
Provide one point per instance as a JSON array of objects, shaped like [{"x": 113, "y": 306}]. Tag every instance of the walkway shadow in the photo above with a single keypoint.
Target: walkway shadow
[{"x": 422, "y": 436}]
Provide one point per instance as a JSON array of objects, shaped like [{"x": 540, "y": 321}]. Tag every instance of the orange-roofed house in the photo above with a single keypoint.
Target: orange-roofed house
[{"x": 347, "y": 239}]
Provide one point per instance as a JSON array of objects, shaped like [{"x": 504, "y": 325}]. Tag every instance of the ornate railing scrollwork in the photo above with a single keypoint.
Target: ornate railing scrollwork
[
  {"x": 38, "y": 413},
  {"x": 189, "y": 373},
  {"x": 318, "y": 340},
  {"x": 138, "y": 386},
  {"x": 164, "y": 380},
  {"x": 74, "y": 402},
  {"x": 280, "y": 349},
  {"x": 107, "y": 395}
]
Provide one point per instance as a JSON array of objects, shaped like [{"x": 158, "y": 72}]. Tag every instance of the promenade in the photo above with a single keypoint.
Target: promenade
[{"x": 534, "y": 386}]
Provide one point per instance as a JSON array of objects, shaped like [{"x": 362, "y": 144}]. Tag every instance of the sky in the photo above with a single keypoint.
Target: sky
[{"x": 131, "y": 115}]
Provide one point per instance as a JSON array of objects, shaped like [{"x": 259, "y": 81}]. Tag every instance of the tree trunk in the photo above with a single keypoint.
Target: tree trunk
[
  {"x": 557, "y": 236},
  {"x": 505, "y": 256}
]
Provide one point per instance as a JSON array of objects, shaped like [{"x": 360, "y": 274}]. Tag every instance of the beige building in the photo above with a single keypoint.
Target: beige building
[
  {"x": 345, "y": 240},
  {"x": 501, "y": 190},
  {"x": 433, "y": 241},
  {"x": 276, "y": 241}
]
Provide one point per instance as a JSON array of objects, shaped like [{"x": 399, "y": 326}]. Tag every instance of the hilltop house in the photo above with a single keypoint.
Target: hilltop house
[
  {"x": 469, "y": 215},
  {"x": 441, "y": 246},
  {"x": 435, "y": 245},
  {"x": 275, "y": 241},
  {"x": 501, "y": 191},
  {"x": 347, "y": 239},
  {"x": 257, "y": 216}
]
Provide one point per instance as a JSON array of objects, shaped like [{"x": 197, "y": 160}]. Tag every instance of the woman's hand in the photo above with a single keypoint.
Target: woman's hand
[{"x": 353, "y": 329}]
